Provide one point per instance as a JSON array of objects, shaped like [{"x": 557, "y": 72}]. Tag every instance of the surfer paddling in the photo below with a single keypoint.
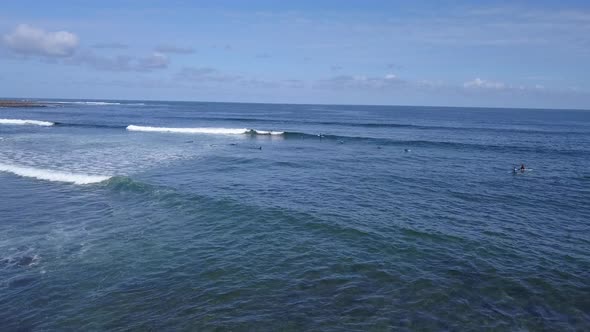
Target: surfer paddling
[{"x": 522, "y": 168}]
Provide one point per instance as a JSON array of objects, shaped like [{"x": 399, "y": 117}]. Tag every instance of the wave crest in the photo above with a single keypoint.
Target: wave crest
[
  {"x": 51, "y": 175},
  {"x": 25, "y": 122},
  {"x": 220, "y": 131},
  {"x": 265, "y": 132}
]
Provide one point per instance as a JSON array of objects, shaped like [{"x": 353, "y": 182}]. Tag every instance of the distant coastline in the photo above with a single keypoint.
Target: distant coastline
[{"x": 21, "y": 103}]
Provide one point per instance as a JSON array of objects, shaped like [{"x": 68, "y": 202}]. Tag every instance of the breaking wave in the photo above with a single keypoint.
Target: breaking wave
[
  {"x": 306, "y": 135},
  {"x": 384, "y": 125},
  {"x": 265, "y": 132},
  {"x": 51, "y": 175},
  {"x": 25, "y": 122},
  {"x": 219, "y": 131}
]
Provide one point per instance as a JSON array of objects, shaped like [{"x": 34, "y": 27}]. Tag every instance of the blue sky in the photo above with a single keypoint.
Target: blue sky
[{"x": 452, "y": 53}]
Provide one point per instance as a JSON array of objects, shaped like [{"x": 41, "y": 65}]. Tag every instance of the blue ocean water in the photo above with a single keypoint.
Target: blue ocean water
[{"x": 293, "y": 217}]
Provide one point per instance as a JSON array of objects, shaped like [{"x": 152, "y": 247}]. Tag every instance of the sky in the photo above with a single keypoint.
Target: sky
[{"x": 533, "y": 54}]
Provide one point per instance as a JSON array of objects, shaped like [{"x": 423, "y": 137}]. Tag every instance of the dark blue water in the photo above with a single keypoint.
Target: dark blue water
[{"x": 346, "y": 218}]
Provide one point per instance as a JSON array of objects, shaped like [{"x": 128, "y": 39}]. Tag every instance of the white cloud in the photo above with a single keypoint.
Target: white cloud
[
  {"x": 484, "y": 84},
  {"x": 391, "y": 82},
  {"x": 26, "y": 39},
  {"x": 362, "y": 81},
  {"x": 154, "y": 61}
]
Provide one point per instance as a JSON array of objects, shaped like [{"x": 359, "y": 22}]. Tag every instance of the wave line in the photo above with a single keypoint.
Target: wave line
[
  {"x": 218, "y": 131},
  {"x": 51, "y": 175},
  {"x": 25, "y": 122}
]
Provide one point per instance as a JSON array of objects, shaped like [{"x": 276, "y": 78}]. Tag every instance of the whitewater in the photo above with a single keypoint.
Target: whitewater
[
  {"x": 219, "y": 131},
  {"x": 52, "y": 175},
  {"x": 25, "y": 122}
]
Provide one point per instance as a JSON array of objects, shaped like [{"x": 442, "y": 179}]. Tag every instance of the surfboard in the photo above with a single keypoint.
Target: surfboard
[{"x": 518, "y": 170}]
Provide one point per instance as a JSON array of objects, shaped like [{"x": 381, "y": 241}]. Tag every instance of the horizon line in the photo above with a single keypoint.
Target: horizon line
[{"x": 299, "y": 104}]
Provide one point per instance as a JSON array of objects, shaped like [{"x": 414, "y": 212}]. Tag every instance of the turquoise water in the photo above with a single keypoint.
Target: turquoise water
[{"x": 342, "y": 218}]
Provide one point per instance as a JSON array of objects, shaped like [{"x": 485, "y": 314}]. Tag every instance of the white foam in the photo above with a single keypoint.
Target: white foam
[
  {"x": 99, "y": 103},
  {"x": 271, "y": 132},
  {"x": 25, "y": 122},
  {"x": 51, "y": 175},
  {"x": 222, "y": 131}
]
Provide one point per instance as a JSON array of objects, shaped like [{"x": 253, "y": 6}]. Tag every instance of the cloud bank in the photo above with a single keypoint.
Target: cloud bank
[
  {"x": 62, "y": 47},
  {"x": 363, "y": 82},
  {"x": 484, "y": 84},
  {"x": 29, "y": 40},
  {"x": 120, "y": 63}
]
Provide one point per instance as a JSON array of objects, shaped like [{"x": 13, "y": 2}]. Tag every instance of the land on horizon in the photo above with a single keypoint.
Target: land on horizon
[
  {"x": 44, "y": 102},
  {"x": 22, "y": 103}
]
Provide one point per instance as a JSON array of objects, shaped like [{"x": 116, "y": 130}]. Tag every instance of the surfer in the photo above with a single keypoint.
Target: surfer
[{"x": 522, "y": 168}]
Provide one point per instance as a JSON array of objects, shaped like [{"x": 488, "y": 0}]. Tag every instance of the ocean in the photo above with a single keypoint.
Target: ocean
[{"x": 148, "y": 215}]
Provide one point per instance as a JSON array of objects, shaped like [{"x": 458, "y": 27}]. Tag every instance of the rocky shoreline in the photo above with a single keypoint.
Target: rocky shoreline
[{"x": 20, "y": 103}]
